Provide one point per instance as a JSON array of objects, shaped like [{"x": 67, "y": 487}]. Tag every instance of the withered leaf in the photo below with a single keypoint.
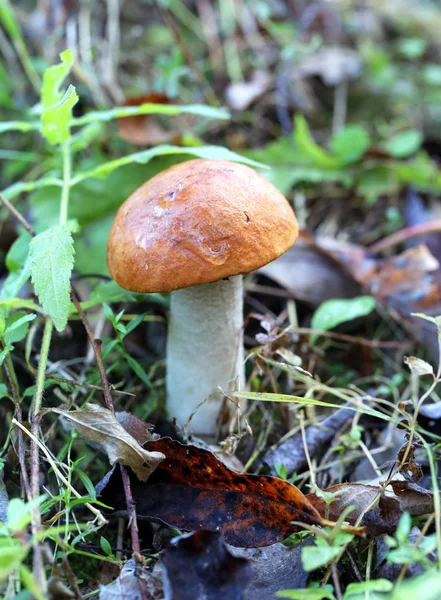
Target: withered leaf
[
  {"x": 384, "y": 516},
  {"x": 199, "y": 565},
  {"x": 99, "y": 425},
  {"x": 418, "y": 366},
  {"x": 144, "y": 129},
  {"x": 136, "y": 427},
  {"x": 193, "y": 490},
  {"x": 310, "y": 273}
]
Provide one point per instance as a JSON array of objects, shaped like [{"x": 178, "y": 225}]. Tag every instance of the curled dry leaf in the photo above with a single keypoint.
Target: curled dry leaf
[
  {"x": 199, "y": 565},
  {"x": 99, "y": 425},
  {"x": 193, "y": 490},
  {"x": 383, "y": 517}
]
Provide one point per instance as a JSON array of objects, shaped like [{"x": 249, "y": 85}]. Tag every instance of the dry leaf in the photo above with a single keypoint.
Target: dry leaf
[
  {"x": 144, "y": 129},
  {"x": 99, "y": 425},
  {"x": 193, "y": 490},
  {"x": 418, "y": 366},
  {"x": 384, "y": 516},
  {"x": 310, "y": 273},
  {"x": 136, "y": 427}
]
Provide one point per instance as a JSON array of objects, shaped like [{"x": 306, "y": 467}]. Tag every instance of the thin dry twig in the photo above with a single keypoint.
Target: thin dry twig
[{"x": 405, "y": 234}]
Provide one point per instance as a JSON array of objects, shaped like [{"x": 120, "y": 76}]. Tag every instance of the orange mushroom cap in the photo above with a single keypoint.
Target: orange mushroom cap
[{"x": 198, "y": 222}]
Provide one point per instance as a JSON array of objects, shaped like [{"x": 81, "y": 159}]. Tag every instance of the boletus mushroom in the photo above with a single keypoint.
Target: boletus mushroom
[{"x": 194, "y": 230}]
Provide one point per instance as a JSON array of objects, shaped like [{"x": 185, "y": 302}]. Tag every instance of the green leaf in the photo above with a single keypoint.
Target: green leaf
[
  {"x": 324, "y": 593},
  {"x": 271, "y": 397},
  {"x": 12, "y": 552},
  {"x": 53, "y": 79},
  {"x": 18, "y": 266},
  {"x": 20, "y": 513},
  {"x": 350, "y": 143},
  {"x": 138, "y": 370},
  {"x": 333, "y": 312},
  {"x": 404, "y": 144},
  {"x": 376, "y": 585},
  {"x": 86, "y": 482},
  {"x": 17, "y": 327},
  {"x": 305, "y": 142},
  {"x": 56, "y": 118},
  {"x": 57, "y": 107},
  {"x": 145, "y": 156},
  {"x": 426, "y": 586},
  {"x": 51, "y": 264},
  {"x": 150, "y": 108},
  {"x": 313, "y": 557},
  {"x": 105, "y": 546}
]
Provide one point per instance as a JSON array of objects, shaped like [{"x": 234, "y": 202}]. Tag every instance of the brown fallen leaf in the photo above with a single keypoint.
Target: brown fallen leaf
[
  {"x": 144, "y": 129},
  {"x": 193, "y": 490},
  {"x": 310, "y": 273},
  {"x": 404, "y": 284},
  {"x": 99, "y": 425},
  {"x": 384, "y": 516},
  {"x": 136, "y": 427}
]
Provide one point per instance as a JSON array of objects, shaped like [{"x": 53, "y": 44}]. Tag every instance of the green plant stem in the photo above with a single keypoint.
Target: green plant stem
[{"x": 67, "y": 167}]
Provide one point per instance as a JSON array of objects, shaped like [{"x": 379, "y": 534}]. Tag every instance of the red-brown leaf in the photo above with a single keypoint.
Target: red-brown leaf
[{"x": 193, "y": 490}]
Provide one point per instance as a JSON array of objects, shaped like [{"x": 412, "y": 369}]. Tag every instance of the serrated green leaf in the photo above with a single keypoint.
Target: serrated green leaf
[
  {"x": 333, "y": 312},
  {"x": 53, "y": 79},
  {"x": 55, "y": 119},
  {"x": 51, "y": 264},
  {"x": 57, "y": 106}
]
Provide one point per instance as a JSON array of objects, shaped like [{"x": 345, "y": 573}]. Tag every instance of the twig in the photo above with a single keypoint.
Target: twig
[
  {"x": 13, "y": 384},
  {"x": 96, "y": 344},
  {"x": 353, "y": 339},
  {"x": 38, "y": 565},
  {"x": 131, "y": 506},
  {"x": 17, "y": 215},
  {"x": 405, "y": 234}
]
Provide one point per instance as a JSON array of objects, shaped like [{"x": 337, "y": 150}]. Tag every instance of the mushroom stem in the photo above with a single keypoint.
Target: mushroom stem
[{"x": 204, "y": 351}]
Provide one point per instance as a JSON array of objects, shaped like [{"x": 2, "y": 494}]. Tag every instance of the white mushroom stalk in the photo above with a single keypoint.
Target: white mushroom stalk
[{"x": 204, "y": 351}]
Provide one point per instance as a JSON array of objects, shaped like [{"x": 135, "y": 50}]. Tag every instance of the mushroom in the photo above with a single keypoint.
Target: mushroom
[{"x": 194, "y": 230}]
